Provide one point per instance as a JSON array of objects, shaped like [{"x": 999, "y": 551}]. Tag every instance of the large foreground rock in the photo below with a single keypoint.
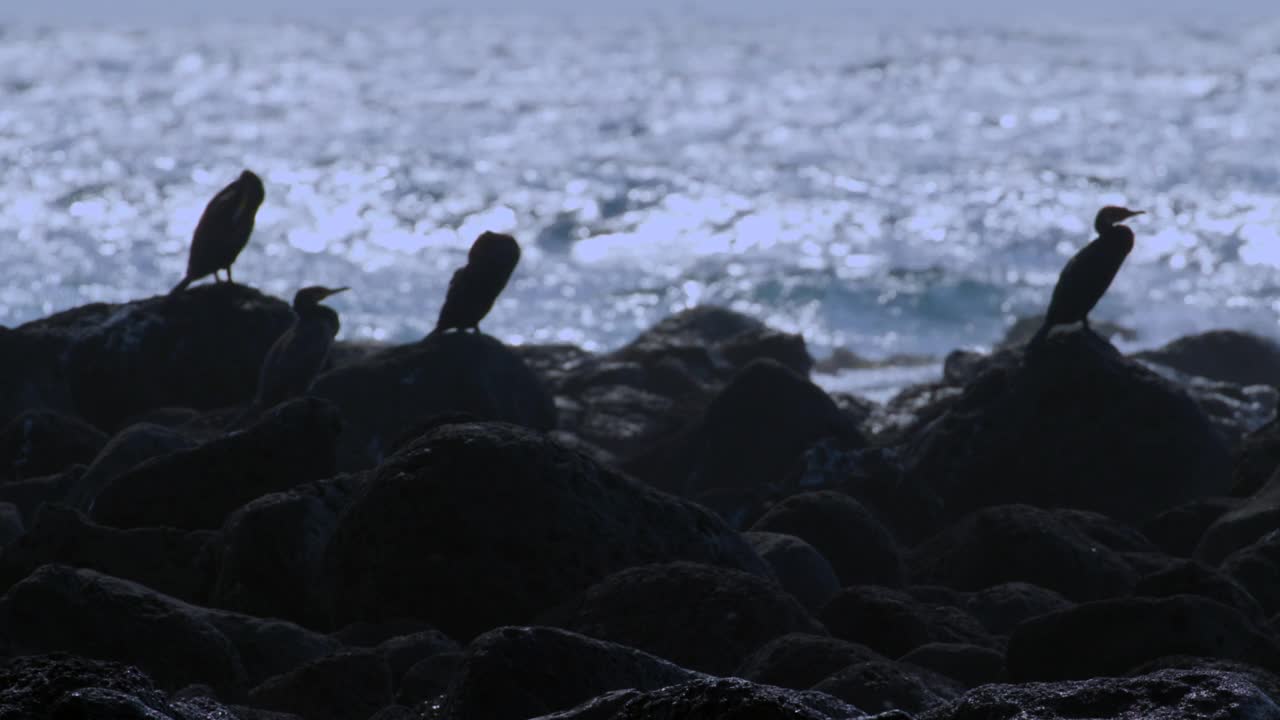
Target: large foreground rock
[
  {"x": 653, "y": 608},
  {"x": 1164, "y": 695},
  {"x": 1226, "y": 355},
  {"x": 1019, "y": 543},
  {"x": 291, "y": 444},
  {"x": 200, "y": 349},
  {"x": 388, "y": 393},
  {"x": 859, "y": 548},
  {"x": 714, "y": 699},
  {"x": 1242, "y": 526},
  {"x": 41, "y": 442},
  {"x": 503, "y": 673},
  {"x": 1074, "y": 425},
  {"x": 477, "y": 525},
  {"x": 1110, "y": 637},
  {"x": 87, "y": 613}
]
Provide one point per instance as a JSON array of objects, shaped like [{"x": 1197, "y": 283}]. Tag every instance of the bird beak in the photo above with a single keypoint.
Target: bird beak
[
  {"x": 1136, "y": 212},
  {"x": 336, "y": 291}
]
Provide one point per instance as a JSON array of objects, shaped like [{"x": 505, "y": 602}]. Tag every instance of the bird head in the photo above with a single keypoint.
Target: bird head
[
  {"x": 252, "y": 184},
  {"x": 311, "y": 296},
  {"x": 493, "y": 248},
  {"x": 1112, "y": 215}
]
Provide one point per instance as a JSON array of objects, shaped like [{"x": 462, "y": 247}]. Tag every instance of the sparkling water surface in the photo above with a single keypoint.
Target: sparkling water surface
[{"x": 884, "y": 187}]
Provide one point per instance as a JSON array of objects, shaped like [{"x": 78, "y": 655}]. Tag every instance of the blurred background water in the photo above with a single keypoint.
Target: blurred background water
[{"x": 883, "y": 186}]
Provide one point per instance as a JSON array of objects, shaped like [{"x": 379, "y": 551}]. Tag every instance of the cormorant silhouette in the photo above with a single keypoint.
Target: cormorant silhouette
[
  {"x": 223, "y": 230},
  {"x": 298, "y": 356},
  {"x": 1086, "y": 277},
  {"x": 476, "y": 286}
]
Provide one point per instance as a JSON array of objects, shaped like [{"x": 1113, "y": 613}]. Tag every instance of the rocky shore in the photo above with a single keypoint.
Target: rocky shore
[{"x": 686, "y": 528}]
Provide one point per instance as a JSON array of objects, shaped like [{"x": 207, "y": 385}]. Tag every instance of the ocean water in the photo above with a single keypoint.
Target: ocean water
[{"x": 884, "y": 187}]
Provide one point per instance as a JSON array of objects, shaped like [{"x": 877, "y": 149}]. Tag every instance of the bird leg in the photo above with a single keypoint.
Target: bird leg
[
  {"x": 1085, "y": 322},
  {"x": 229, "y": 278}
]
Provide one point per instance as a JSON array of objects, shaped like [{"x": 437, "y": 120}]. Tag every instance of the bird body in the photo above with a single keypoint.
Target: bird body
[
  {"x": 475, "y": 287},
  {"x": 224, "y": 229},
  {"x": 1087, "y": 276},
  {"x": 298, "y": 356}
]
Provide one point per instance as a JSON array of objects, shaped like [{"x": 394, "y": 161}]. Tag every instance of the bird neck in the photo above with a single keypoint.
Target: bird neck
[{"x": 1119, "y": 235}]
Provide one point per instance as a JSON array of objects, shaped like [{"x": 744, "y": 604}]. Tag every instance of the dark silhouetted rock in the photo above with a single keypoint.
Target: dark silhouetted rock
[
  {"x": 1268, "y": 682},
  {"x": 405, "y": 651},
  {"x": 1166, "y": 695},
  {"x": 291, "y": 444},
  {"x": 800, "y": 569},
  {"x": 273, "y": 551},
  {"x": 1109, "y": 637},
  {"x": 11, "y": 527},
  {"x": 1178, "y": 531},
  {"x": 372, "y": 634},
  {"x": 1192, "y": 578},
  {"x": 800, "y": 660},
  {"x": 1257, "y": 569},
  {"x": 130, "y": 447},
  {"x": 712, "y": 343},
  {"x": 387, "y": 393},
  {"x": 175, "y": 562},
  {"x": 428, "y": 680},
  {"x": 503, "y": 674},
  {"x": 1243, "y": 526},
  {"x": 28, "y": 495},
  {"x": 1256, "y": 458},
  {"x": 338, "y": 687},
  {"x": 1227, "y": 355},
  {"x": 753, "y": 433},
  {"x": 649, "y": 608},
  {"x": 32, "y": 374},
  {"x": 1078, "y": 425},
  {"x": 883, "y": 685},
  {"x": 124, "y": 360},
  {"x": 40, "y": 442},
  {"x": 1052, "y": 548},
  {"x": 714, "y": 699},
  {"x": 969, "y": 665},
  {"x": 858, "y": 547},
  {"x": 893, "y": 623},
  {"x": 477, "y": 525},
  {"x": 85, "y": 612},
  {"x": 31, "y": 685}
]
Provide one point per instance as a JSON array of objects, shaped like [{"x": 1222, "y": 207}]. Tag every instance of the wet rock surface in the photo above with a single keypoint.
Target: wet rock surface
[{"x": 698, "y": 529}]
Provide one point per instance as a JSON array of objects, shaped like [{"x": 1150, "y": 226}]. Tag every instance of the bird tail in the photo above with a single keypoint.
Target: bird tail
[{"x": 180, "y": 286}]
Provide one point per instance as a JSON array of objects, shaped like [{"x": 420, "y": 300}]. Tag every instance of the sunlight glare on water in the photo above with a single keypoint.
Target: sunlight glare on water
[{"x": 889, "y": 188}]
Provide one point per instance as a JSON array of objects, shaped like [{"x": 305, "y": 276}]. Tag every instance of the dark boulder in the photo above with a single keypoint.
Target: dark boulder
[
  {"x": 753, "y": 433},
  {"x": 200, "y": 349},
  {"x": 1226, "y": 355},
  {"x": 1268, "y": 682},
  {"x": 969, "y": 665},
  {"x": 28, "y": 495},
  {"x": 405, "y": 651},
  {"x": 32, "y": 375},
  {"x": 1255, "y": 459},
  {"x": 1055, "y": 549},
  {"x": 1257, "y": 569},
  {"x": 649, "y": 608},
  {"x": 882, "y": 685},
  {"x": 81, "y": 611},
  {"x": 31, "y": 685},
  {"x": 1178, "y": 531},
  {"x": 11, "y": 525},
  {"x": 1075, "y": 425},
  {"x": 41, "y": 442},
  {"x": 372, "y": 634},
  {"x": 289, "y": 445},
  {"x": 1000, "y": 608},
  {"x": 858, "y": 547},
  {"x": 893, "y": 623},
  {"x": 800, "y": 569},
  {"x": 800, "y": 660},
  {"x": 428, "y": 680},
  {"x": 273, "y": 551},
  {"x": 503, "y": 673},
  {"x": 1109, "y": 637},
  {"x": 130, "y": 447},
  {"x": 85, "y": 612},
  {"x": 337, "y": 687},
  {"x": 1165, "y": 695},
  {"x": 390, "y": 391},
  {"x": 175, "y": 562},
  {"x": 477, "y": 525},
  {"x": 714, "y": 699},
  {"x": 1192, "y": 578},
  {"x": 1243, "y": 526},
  {"x": 712, "y": 343}
]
